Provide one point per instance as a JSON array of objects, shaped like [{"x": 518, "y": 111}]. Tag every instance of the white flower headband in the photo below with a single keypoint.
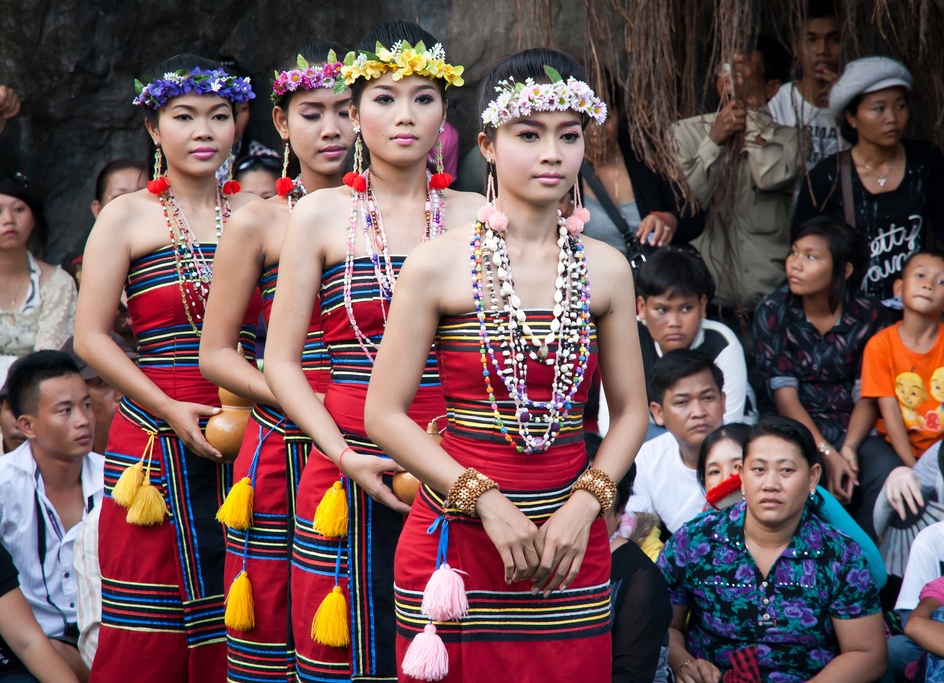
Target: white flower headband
[{"x": 522, "y": 99}]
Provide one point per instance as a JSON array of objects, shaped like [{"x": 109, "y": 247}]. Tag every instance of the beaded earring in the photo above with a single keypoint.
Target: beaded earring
[
  {"x": 580, "y": 215},
  {"x": 489, "y": 215},
  {"x": 285, "y": 185},
  {"x": 355, "y": 179},
  {"x": 440, "y": 180},
  {"x": 159, "y": 184},
  {"x": 231, "y": 187}
]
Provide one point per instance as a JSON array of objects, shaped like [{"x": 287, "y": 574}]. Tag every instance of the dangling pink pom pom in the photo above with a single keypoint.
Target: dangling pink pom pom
[
  {"x": 485, "y": 213},
  {"x": 574, "y": 225},
  {"x": 444, "y": 598},
  {"x": 582, "y": 214},
  {"x": 426, "y": 657},
  {"x": 498, "y": 222}
]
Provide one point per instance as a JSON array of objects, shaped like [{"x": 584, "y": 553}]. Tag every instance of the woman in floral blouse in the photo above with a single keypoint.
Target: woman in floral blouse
[{"x": 771, "y": 591}]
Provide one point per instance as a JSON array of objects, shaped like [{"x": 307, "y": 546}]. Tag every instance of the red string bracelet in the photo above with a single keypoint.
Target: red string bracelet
[
  {"x": 341, "y": 457},
  {"x": 664, "y": 216}
]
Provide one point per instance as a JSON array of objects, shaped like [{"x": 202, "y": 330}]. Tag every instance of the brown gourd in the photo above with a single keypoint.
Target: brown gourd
[{"x": 225, "y": 430}]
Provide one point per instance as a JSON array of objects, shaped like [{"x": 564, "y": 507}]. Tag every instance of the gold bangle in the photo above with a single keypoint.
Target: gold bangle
[
  {"x": 466, "y": 490},
  {"x": 599, "y": 484}
]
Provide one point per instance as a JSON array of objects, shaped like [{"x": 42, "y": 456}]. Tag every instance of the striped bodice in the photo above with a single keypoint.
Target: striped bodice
[
  {"x": 470, "y": 413},
  {"x": 349, "y": 363}
]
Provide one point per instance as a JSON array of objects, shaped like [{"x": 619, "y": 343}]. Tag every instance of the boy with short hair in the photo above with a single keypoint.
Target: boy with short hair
[
  {"x": 688, "y": 400},
  {"x": 673, "y": 287},
  {"x": 900, "y": 369}
]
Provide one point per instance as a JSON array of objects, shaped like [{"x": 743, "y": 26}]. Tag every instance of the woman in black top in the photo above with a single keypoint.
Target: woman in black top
[
  {"x": 639, "y": 598},
  {"x": 897, "y": 186},
  {"x": 25, "y": 652}
]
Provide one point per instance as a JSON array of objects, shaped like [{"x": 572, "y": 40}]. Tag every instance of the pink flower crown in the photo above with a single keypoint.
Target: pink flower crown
[{"x": 306, "y": 77}]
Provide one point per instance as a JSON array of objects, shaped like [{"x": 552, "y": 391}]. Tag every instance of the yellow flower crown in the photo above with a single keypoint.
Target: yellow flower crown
[{"x": 401, "y": 60}]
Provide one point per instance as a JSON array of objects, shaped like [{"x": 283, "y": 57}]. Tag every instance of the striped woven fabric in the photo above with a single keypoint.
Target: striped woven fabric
[{"x": 154, "y": 607}]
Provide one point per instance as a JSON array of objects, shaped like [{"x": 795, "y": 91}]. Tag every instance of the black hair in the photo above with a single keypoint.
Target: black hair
[
  {"x": 788, "y": 430},
  {"x": 17, "y": 185},
  {"x": 257, "y": 162},
  {"x": 821, "y": 9},
  {"x": 624, "y": 489},
  {"x": 185, "y": 62},
  {"x": 673, "y": 270},
  {"x": 677, "y": 365},
  {"x": 736, "y": 432},
  {"x": 777, "y": 58},
  {"x": 528, "y": 64},
  {"x": 115, "y": 166},
  {"x": 845, "y": 246},
  {"x": 28, "y": 372},
  {"x": 928, "y": 251},
  {"x": 388, "y": 34},
  {"x": 314, "y": 52}
]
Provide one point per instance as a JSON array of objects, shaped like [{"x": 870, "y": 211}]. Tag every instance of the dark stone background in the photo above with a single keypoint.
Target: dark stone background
[{"x": 73, "y": 62}]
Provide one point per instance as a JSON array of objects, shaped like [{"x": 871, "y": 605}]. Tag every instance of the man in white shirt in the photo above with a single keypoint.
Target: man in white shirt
[
  {"x": 48, "y": 486},
  {"x": 805, "y": 103},
  {"x": 687, "y": 399}
]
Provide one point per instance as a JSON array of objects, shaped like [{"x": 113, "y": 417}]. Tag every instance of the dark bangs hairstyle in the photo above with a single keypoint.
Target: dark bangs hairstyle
[
  {"x": 315, "y": 52},
  {"x": 185, "y": 61},
  {"x": 388, "y": 34},
  {"x": 17, "y": 185},
  {"x": 28, "y": 372},
  {"x": 736, "y": 432},
  {"x": 528, "y": 64},
  {"x": 845, "y": 246},
  {"x": 674, "y": 271},
  {"x": 785, "y": 429}
]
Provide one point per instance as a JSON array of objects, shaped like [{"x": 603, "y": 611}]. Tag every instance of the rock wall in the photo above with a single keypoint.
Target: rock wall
[{"x": 73, "y": 63}]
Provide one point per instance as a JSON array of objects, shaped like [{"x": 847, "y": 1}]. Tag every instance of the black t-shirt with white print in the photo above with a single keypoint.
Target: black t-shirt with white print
[{"x": 895, "y": 223}]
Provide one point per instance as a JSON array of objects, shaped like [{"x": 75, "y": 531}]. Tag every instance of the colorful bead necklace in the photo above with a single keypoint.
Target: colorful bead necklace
[
  {"x": 365, "y": 211},
  {"x": 517, "y": 341},
  {"x": 194, "y": 270}
]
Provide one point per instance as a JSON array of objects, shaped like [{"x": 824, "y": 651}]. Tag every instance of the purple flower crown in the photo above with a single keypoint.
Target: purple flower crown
[
  {"x": 306, "y": 77},
  {"x": 158, "y": 92}
]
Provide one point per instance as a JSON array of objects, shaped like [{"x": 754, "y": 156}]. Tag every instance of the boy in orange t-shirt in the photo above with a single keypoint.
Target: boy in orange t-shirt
[{"x": 903, "y": 365}]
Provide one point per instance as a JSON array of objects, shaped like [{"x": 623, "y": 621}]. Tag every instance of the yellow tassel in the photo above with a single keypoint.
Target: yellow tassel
[
  {"x": 329, "y": 627},
  {"x": 240, "y": 614},
  {"x": 126, "y": 490},
  {"x": 148, "y": 508},
  {"x": 236, "y": 510},
  {"x": 331, "y": 514}
]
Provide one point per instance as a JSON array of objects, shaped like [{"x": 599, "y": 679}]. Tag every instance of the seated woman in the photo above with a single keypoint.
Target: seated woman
[
  {"x": 37, "y": 300},
  {"x": 890, "y": 190},
  {"x": 766, "y": 586},
  {"x": 639, "y": 600},
  {"x": 810, "y": 335}
]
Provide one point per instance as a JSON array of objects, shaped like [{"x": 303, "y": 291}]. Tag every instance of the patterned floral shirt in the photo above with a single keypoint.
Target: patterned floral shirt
[
  {"x": 824, "y": 368},
  {"x": 821, "y": 574}
]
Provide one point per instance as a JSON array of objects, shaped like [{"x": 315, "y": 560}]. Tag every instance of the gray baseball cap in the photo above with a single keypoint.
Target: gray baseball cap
[{"x": 869, "y": 74}]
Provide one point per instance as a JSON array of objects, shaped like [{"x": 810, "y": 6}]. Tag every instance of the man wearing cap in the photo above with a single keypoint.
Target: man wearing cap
[
  {"x": 889, "y": 189},
  {"x": 804, "y": 103},
  {"x": 48, "y": 487}
]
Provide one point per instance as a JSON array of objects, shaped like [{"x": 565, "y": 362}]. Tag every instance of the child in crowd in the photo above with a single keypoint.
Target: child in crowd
[
  {"x": 673, "y": 289},
  {"x": 926, "y": 627},
  {"x": 903, "y": 368}
]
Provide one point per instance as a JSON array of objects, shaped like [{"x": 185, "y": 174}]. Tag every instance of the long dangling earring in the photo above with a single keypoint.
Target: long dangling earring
[
  {"x": 159, "y": 184},
  {"x": 231, "y": 187},
  {"x": 490, "y": 195},
  {"x": 440, "y": 180},
  {"x": 285, "y": 185},
  {"x": 580, "y": 215},
  {"x": 355, "y": 179}
]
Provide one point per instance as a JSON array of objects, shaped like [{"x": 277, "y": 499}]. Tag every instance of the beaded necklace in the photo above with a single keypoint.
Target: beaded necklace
[
  {"x": 298, "y": 191},
  {"x": 517, "y": 342},
  {"x": 365, "y": 211},
  {"x": 194, "y": 271}
]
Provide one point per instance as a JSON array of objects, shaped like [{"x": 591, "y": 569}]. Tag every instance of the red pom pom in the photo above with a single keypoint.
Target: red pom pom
[
  {"x": 348, "y": 178},
  {"x": 284, "y": 186},
  {"x": 360, "y": 184},
  {"x": 440, "y": 181},
  {"x": 231, "y": 187},
  {"x": 158, "y": 185}
]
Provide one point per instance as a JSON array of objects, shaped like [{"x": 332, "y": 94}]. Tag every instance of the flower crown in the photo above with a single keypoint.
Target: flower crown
[
  {"x": 306, "y": 77},
  {"x": 521, "y": 99},
  {"x": 401, "y": 60},
  {"x": 199, "y": 82}
]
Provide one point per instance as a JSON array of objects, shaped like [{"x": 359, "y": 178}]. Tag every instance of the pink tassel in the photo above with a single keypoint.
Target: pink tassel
[
  {"x": 498, "y": 222},
  {"x": 444, "y": 598},
  {"x": 426, "y": 658}
]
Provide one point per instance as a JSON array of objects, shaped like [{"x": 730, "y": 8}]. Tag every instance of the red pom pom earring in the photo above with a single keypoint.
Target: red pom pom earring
[
  {"x": 285, "y": 185},
  {"x": 159, "y": 184},
  {"x": 440, "y": 180}
]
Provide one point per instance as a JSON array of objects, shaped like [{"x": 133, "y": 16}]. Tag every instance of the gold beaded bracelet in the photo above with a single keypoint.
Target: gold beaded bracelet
[
  {"x": 599, "y": 484},
  {"x": 466, "y": 490}
]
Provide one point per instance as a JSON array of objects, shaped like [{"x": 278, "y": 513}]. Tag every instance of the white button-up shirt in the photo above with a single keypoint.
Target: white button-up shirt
[{"x": 20, "y": 487}]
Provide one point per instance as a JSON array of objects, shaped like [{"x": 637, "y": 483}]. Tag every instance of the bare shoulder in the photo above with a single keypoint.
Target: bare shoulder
[
  {"x": 255, "y": 217},
  {"x": 461, "y": 207},
  {"x": 241, "y": 199},
  {"x": 324, "y": 204},
  {"x": 123, "y": 222},
  {"x": 449, "y": 249}
]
